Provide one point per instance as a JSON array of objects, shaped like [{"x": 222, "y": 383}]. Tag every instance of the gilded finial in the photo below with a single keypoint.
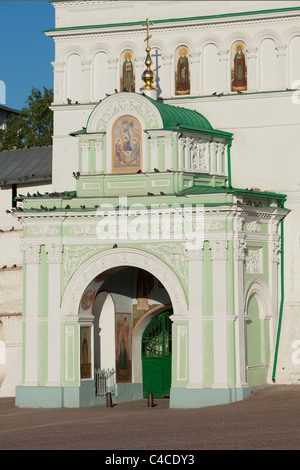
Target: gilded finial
[{"x": 148, "y": 76}]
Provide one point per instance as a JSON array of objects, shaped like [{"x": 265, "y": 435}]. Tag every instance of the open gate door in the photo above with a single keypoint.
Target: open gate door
[{"x": 157, "y": 356}]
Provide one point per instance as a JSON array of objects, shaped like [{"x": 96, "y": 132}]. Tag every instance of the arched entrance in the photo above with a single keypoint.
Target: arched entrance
[
  {"x": 157, "y": 356},
  {"x": 125, "y": 275}
]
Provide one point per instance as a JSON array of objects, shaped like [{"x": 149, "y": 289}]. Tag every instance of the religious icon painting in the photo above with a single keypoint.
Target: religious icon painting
[
  {"x": 87, "y": 300},
  {"x": 182, "y": 71},
  {"x": 85, "y": 353},
  {"x": 238, "y": 66},
  {"x": 127, "y": 72},
  {"x": 123, "y": 347},
  {"x": 127, "y": 138}
]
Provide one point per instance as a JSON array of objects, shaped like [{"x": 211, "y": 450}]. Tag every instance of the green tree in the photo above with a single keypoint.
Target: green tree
[{"x": 33, "y": 127}]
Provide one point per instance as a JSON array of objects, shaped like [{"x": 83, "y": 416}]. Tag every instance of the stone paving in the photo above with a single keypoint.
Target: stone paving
[{"x": 269, "y": 419}]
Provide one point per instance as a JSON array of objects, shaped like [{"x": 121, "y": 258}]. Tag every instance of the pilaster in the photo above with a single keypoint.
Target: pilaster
[
  {"x": 32, "y": 262},
  {"x": 219, "y": 270},
  {"x": 195, "y": 260},
  {"x": 54, "y": 251}
]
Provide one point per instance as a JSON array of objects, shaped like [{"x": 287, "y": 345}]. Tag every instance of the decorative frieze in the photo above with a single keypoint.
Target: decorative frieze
[{"x": 254, "y": 227}]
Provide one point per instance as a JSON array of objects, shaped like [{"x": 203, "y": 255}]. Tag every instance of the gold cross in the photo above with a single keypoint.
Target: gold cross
[{"x": 149, "y": 36}]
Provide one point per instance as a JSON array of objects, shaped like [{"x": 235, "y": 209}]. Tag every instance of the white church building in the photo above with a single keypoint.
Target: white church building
[{"x": 198, "y": 111}]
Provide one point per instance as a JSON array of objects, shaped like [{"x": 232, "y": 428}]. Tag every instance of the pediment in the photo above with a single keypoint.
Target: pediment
[{"x": 105, "y": 114}]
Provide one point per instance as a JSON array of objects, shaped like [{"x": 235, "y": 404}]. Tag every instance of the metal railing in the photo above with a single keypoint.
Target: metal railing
[{"x": 105, "y": 382}]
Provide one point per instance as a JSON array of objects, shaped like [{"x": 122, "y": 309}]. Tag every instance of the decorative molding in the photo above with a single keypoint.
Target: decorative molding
[
  {"x": 254, "y": 260},
  {"x": 32, "y": 253},
  {"x": 240, "y": 249},
  {"x": 42, "y": 230},
  {"x": 126, "y": 105},
  {"x": 275, "y": 251},
  {"x": 254, "y": 227},
  {"x": 108, "y": 259},
  {"x": 218, "y": 250},
  {"x": 55, "y": 252},
  {"x": 259, "y": 288}
]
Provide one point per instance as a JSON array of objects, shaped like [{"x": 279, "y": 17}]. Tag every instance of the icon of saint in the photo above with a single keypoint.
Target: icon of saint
[
  {"x": 183, "y": 74},
  {"x": 239, "y": 70},
  {"x": 128, "y": 74}
]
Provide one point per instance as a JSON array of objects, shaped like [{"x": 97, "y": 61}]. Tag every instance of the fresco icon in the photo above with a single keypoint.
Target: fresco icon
[
  {"x": 127, "y": 155},
  {"x": 127, "y": 72},
  {"x": 182, "y": 74},
  {"x": 238, "y": 67}
]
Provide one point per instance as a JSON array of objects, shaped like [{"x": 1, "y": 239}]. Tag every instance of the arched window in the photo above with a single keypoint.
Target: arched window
[
  {"x": 238, "y": 66},
  {"x": 127, "y": 79},
  {"x": 182, "y": 71},
  {"x": 211, "y": 64},
  {"x": 100, "y": 76},
  {"x": 126, "y": 145},
  {"x": 268, "y": 65}
]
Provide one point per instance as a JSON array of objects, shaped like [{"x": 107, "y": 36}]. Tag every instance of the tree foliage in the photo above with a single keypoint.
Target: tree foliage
[{"x": 33, "y": 127}]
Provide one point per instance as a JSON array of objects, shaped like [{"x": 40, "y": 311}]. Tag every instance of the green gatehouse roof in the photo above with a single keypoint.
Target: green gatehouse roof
[
  {"x": 180, "y": 118},
  {"x": 177, "y": 118}
]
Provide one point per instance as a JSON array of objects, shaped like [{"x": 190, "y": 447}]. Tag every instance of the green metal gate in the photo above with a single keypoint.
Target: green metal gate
[{"x": 157, "y": 356}]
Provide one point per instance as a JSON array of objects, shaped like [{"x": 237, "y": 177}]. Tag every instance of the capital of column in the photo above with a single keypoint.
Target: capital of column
[
  {"x": 218, "y": 250},
  {"x": 32, "y": 253},
  {"x": 55, "y": 251}
]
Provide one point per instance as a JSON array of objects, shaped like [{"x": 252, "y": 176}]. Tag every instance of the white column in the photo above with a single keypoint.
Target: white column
[
  {"x": 86, "y": 69},
  {"x": 188, "y": 148},
  {"x": 223, "y": 84},
  {"x": 252, "y": 69},
  {"x": 181, "y": 144},
  {"x": 58, "y": 88},
  {"x": 168, "y": 72},
  {"x": 282, "y": 67},
  {"x": 85, "y": 153},
  {"x": 213, "y": 159},
  {"x": 99, "y": 157},
  {"x": 154, "y": 153},
  {"x": 54, "y": 251},
  {"x": 195, "y": 259},
  {"x": 139, "y": 69},
  {"x": 113, "y": 82},
  {"x": 32, "y": 260},
  {"x": 274, "y": 260},
  {"x": 239, "y": 257},
  {"x": 195, "y": 75},
  {"x": 219, "y": 268},
  {"x": 168, "y": 153}
]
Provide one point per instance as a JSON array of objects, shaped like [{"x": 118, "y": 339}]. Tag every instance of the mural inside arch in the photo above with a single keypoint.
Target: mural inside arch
[
  {"x": 238, "y": 66},
  {"x": 127, "y": 137},
  {"x": 182, "y": 72}
]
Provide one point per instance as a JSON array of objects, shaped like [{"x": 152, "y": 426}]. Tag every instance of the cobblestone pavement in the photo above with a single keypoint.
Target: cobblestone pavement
[{"x": 268, "y": 419}]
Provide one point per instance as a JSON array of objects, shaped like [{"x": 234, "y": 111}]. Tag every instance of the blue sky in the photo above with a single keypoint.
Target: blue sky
[{"x": 26, "y": 52}]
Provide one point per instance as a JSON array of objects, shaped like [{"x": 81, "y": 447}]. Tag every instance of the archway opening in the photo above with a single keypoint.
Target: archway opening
[{"x": 117, "y": 306}]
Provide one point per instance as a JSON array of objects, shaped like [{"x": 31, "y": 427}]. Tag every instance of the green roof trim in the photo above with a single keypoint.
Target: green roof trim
[
  {"x": 173, "y": 20},
  {"x": 194, "y": 190}
]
